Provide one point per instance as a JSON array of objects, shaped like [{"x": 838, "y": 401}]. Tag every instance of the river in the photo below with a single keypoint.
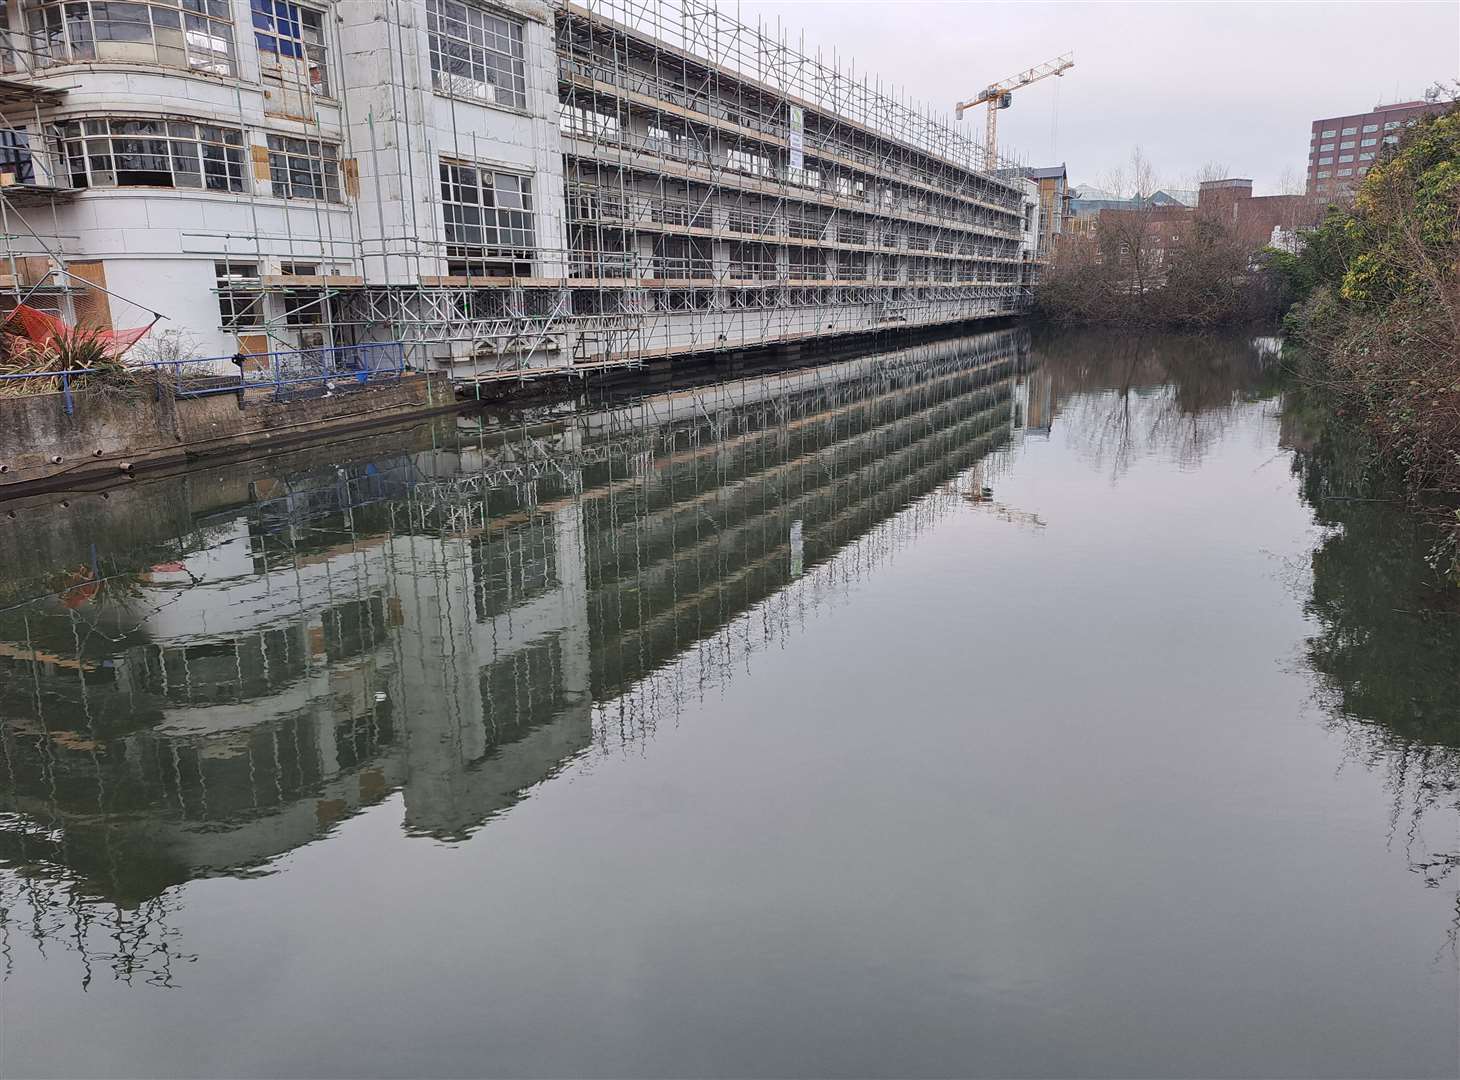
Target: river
[{"x": 1071, "y": 705}]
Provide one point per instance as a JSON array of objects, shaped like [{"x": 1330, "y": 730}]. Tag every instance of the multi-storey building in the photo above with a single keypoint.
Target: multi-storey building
[
  {"x": 1341, "y": 149},
  {"x": 506, "y": 187},
  {"x": 1053, "y": 185}
]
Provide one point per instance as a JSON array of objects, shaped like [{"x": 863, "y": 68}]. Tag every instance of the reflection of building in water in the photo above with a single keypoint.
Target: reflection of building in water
[{"x": 456, "y": 623}]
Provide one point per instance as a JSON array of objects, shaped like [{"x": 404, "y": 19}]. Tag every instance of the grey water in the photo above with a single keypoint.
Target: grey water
[{"x": 1068, "y": 705}]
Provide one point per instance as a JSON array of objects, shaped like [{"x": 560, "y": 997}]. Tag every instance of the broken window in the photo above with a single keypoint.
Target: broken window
[{"x": 291, "y": 44}]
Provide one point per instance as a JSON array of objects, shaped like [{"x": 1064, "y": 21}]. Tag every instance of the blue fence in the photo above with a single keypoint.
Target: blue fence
[
  {"x": 287, "y": 372},
  {"x": 64, "y": 377}
]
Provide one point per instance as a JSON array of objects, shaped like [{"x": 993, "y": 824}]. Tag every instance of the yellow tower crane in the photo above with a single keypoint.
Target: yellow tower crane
[{"x": 1000, "y": 95}]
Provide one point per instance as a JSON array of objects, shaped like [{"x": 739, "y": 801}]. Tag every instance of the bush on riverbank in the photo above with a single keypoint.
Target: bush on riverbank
[
  {"x": 1198, "y": 275},
  {"x": 1377, "y": 316}
]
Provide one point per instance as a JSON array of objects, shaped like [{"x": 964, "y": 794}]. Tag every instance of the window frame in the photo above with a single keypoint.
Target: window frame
[
  {"x": 318, "y": 160},
  {"x": 505, "y": 235},
  {"x": 55, "y": 34},
  {"x": 238, "y": 310},
  {"x": 447, "y": 46},
  {"x": 310, "y": 58},
  {"x": 217, "y": 156}
]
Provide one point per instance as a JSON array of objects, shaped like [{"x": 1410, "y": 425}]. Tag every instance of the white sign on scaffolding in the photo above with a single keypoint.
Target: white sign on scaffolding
[{"x": 798, "y": 138}]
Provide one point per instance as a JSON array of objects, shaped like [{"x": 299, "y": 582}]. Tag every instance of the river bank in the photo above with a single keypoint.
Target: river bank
[{"x": 1376, "y": 322}]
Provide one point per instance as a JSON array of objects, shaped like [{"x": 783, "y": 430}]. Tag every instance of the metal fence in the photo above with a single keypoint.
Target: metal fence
[{"x": 287, "y": 372}]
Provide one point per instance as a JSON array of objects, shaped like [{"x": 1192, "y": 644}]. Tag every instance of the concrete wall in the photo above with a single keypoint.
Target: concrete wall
[{"x": 107, "y": 428}]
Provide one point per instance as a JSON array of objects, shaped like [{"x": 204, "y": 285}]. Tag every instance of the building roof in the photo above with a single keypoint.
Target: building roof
[
  {"x": 1029, "y": 172},
  {"x": 1174, "y": 196}
]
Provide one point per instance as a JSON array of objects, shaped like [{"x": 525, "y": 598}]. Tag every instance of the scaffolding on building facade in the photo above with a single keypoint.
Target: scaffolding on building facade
[{"x": 720, "y": 190}]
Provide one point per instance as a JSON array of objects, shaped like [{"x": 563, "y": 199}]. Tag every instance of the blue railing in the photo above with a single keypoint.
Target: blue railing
[
  {"x": 286, "y": 371},
  {"x": 64, "y": 376}
]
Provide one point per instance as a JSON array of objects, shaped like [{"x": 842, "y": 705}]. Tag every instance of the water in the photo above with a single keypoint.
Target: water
[{"x": 1075, "y": 707}]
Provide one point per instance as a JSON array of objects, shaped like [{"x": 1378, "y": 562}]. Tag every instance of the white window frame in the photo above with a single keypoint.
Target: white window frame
[
  {"x": 477, "y": 53},
  {"x": 292, "y": 42},
  {"x": 193, "y": 156},
  {"x": 168, "y": 33},
  {"x": 304, "y": 168},
  {"x": 487, "y": 231}
]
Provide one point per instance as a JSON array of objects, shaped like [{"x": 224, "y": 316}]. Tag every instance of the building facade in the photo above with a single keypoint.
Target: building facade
[
  {"x": 1341, "y": 149},
  {"x": 508, "y": 187}
]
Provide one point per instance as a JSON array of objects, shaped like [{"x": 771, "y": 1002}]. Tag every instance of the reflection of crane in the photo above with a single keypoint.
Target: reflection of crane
[{"x": 1000, "y": 95}]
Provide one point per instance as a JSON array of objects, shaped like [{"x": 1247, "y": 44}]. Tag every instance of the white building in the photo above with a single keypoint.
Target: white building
[{"x": 504, "y": 187}]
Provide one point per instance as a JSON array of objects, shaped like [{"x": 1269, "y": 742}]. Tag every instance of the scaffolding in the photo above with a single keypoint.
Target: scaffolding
[{"x": 721, "y": 189}]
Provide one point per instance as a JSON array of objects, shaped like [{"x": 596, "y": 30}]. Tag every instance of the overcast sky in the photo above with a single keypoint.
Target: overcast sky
[{"x": 1237, "y": 84}]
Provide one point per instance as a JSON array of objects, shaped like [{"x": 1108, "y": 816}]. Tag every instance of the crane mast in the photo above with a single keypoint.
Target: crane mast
[{"x": 1000, "y": 95}]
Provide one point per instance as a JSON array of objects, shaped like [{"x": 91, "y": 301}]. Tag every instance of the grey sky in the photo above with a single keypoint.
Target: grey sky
[{"x": 1191, "y": 83}]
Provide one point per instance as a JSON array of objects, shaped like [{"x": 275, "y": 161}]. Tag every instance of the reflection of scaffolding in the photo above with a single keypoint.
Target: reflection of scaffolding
[{"x": 446, "y": 622}]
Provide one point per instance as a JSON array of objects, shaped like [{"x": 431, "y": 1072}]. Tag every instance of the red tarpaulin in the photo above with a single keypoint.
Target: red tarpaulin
[{"x": 43, "y": 328}]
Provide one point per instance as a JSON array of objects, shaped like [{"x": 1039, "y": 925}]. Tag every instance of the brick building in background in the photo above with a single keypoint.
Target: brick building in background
[
  {"x": 1158, "y": 228},
  {"x": 1342, "y": 148},
  {"x": 1254, "y": 217}
]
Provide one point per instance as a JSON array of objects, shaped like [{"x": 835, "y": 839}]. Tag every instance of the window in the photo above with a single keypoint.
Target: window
[
  {"x": 1370, "y": 127},
  {"x": 304, "y": 168},
  {"x": 152, "y": 153},
  {"x": 488, "y": 215},
  {"x": 1345, "y": 172},
  {"x": 575, "y": 120},
  {"x": 1323, "y": 174},
  {"x": 239, "y": 304},
  {"x": 1369, "y": 142},
  {"x": 1350, "y": 131},
  {"x": 192, "y": 34},
  {"x": 290, "y": 39},
  {"x": 476, "y": 54},
  {"x": 747, "y": 162},
  {"x": 1330, "y": 133},
  {"x": 1390, "y": 140},
  {"x": 1325, "y": 161},
  {"x": 1346, "y": 145},
  {"x": 1344, "y": 158},
  {"x": 1363, "y": 169},
  {"x": 1367, "y": 157},
  {"x": 1391, "y": 125},
  {"x": 1326, "y": 146}
]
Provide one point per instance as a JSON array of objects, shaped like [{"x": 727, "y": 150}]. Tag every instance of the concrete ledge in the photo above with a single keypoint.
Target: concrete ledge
[{"x": 114, "y": 434}]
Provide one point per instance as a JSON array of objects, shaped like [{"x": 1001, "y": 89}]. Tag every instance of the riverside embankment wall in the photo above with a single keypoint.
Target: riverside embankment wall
[{"x": 106, "y": 433}]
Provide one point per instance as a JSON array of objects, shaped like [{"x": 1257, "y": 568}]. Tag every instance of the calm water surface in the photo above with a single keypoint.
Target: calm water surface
[{"x": 995, "y": 707}]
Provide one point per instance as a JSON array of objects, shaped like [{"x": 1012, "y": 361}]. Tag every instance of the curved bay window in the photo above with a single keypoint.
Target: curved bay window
[
  {"x": 196, "y": 35},
  {"x": 488, "y": 215},
  {"x": 152, "y": 153}
]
